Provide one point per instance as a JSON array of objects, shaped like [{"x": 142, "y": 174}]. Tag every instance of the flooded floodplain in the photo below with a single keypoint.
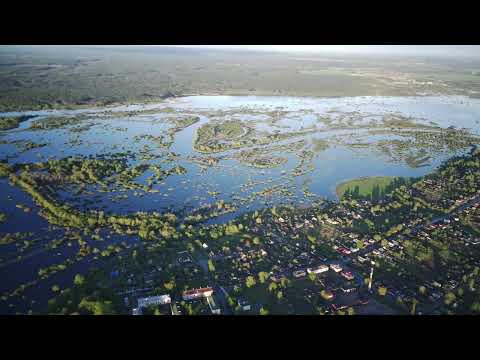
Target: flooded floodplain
[{"x": 203, "y": 159}]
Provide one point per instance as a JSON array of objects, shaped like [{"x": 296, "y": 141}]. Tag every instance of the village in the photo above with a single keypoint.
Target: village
[{"x": 279, "y": 265}]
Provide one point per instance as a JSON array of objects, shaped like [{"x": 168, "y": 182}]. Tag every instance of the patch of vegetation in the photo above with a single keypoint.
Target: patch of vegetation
[
  {"x": 12, "y": 122},
  {"x": 13, "y": 237},
  {"x": 372, "y": 187},
  {"x": 54, "y": 123},
  {"x": 260, "y": 160}
]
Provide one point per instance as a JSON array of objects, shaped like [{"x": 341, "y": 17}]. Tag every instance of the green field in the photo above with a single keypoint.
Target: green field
[{"x": 365, "y": 185}]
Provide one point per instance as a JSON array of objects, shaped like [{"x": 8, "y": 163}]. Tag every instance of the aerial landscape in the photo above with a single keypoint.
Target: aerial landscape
[{"x": 197, "y": 180}]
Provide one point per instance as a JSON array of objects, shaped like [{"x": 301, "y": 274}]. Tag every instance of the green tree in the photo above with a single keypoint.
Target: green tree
[
  {"x": 169, "y": 285},
  {"x": 79, "y": 280},
  {"x": 450, "y": 298},
  {"x": 262, "y": 277},
  {"x": 475, "y": 307},
  {"x": 250, "y": 281},
  {"x": 211, "y": 267},
  {"x": 284, "y": 282},
  {"x": 263, "y": 311},
  {"x": 97, "y": 307},
  {"x": 382, "y": 291},
  {"x": 157, "y": 312}
]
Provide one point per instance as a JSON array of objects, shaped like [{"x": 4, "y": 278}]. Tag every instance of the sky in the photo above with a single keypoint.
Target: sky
[
  {"x": 424, "y": 50},
  {"x": 469, "y": 51}
]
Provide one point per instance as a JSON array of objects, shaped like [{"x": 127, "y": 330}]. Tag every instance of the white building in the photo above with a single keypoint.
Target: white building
[
  {"x": 154, "y": 300},
  {"x": 318, "y": 269},
  {"x": 335, "y": 267}
]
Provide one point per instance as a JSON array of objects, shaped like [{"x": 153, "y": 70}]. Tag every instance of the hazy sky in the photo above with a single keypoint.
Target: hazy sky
[
  {"x": 470, "y": 51},
  {"x": 428, "y": 50}
]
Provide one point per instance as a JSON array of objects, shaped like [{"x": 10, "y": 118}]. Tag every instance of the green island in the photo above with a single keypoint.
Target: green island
[
  {"x": 12, "y": 122},
  {"x": 214, "y": 138}
]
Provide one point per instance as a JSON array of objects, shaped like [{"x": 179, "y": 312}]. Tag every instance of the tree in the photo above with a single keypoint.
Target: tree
[
  {"x": 157, "y": 312},
  {"x": 475, "y": 307},
  {"x": 312, "y": 276},
  {"x": 79, "y": 280},
  {"x": 350, "y": 311},
  {"x": 211, "y": 267},
  {"x": 169, "y": 285},
  {"x": 450, "y": 298},
  {"x": 262, "y": 276},
  {"x": 97, "y": 307},
  {"x": 356, "y": 191},
  {"x": 272, "y": 286},
  {"x": 55, "y": 288},
  {"x": 263, "y": 311},
  {"x": 284, "y": 282},
  {"x": 382, "y": 291},
  {"x": 250, "y": 281},
  {"x": 279, "y": 295}
]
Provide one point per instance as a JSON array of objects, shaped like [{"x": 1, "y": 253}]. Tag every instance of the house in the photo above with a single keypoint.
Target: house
[
  {"x": 299, "y": 273},
  {"x": 332, "y": 222},
  {"x": 244, "y": 304},
  {"x": 347, "y": 275},
  {"x": 326, "y": 294},
  {"x": 335, "y": 267},
  {"x": 197, "y": 293},
  {"x": 154, "y": 300},
  {"x": 337, "y": 307},
  {"x": 361, "y": 259},
  {"x": 318, "y": 269}
]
